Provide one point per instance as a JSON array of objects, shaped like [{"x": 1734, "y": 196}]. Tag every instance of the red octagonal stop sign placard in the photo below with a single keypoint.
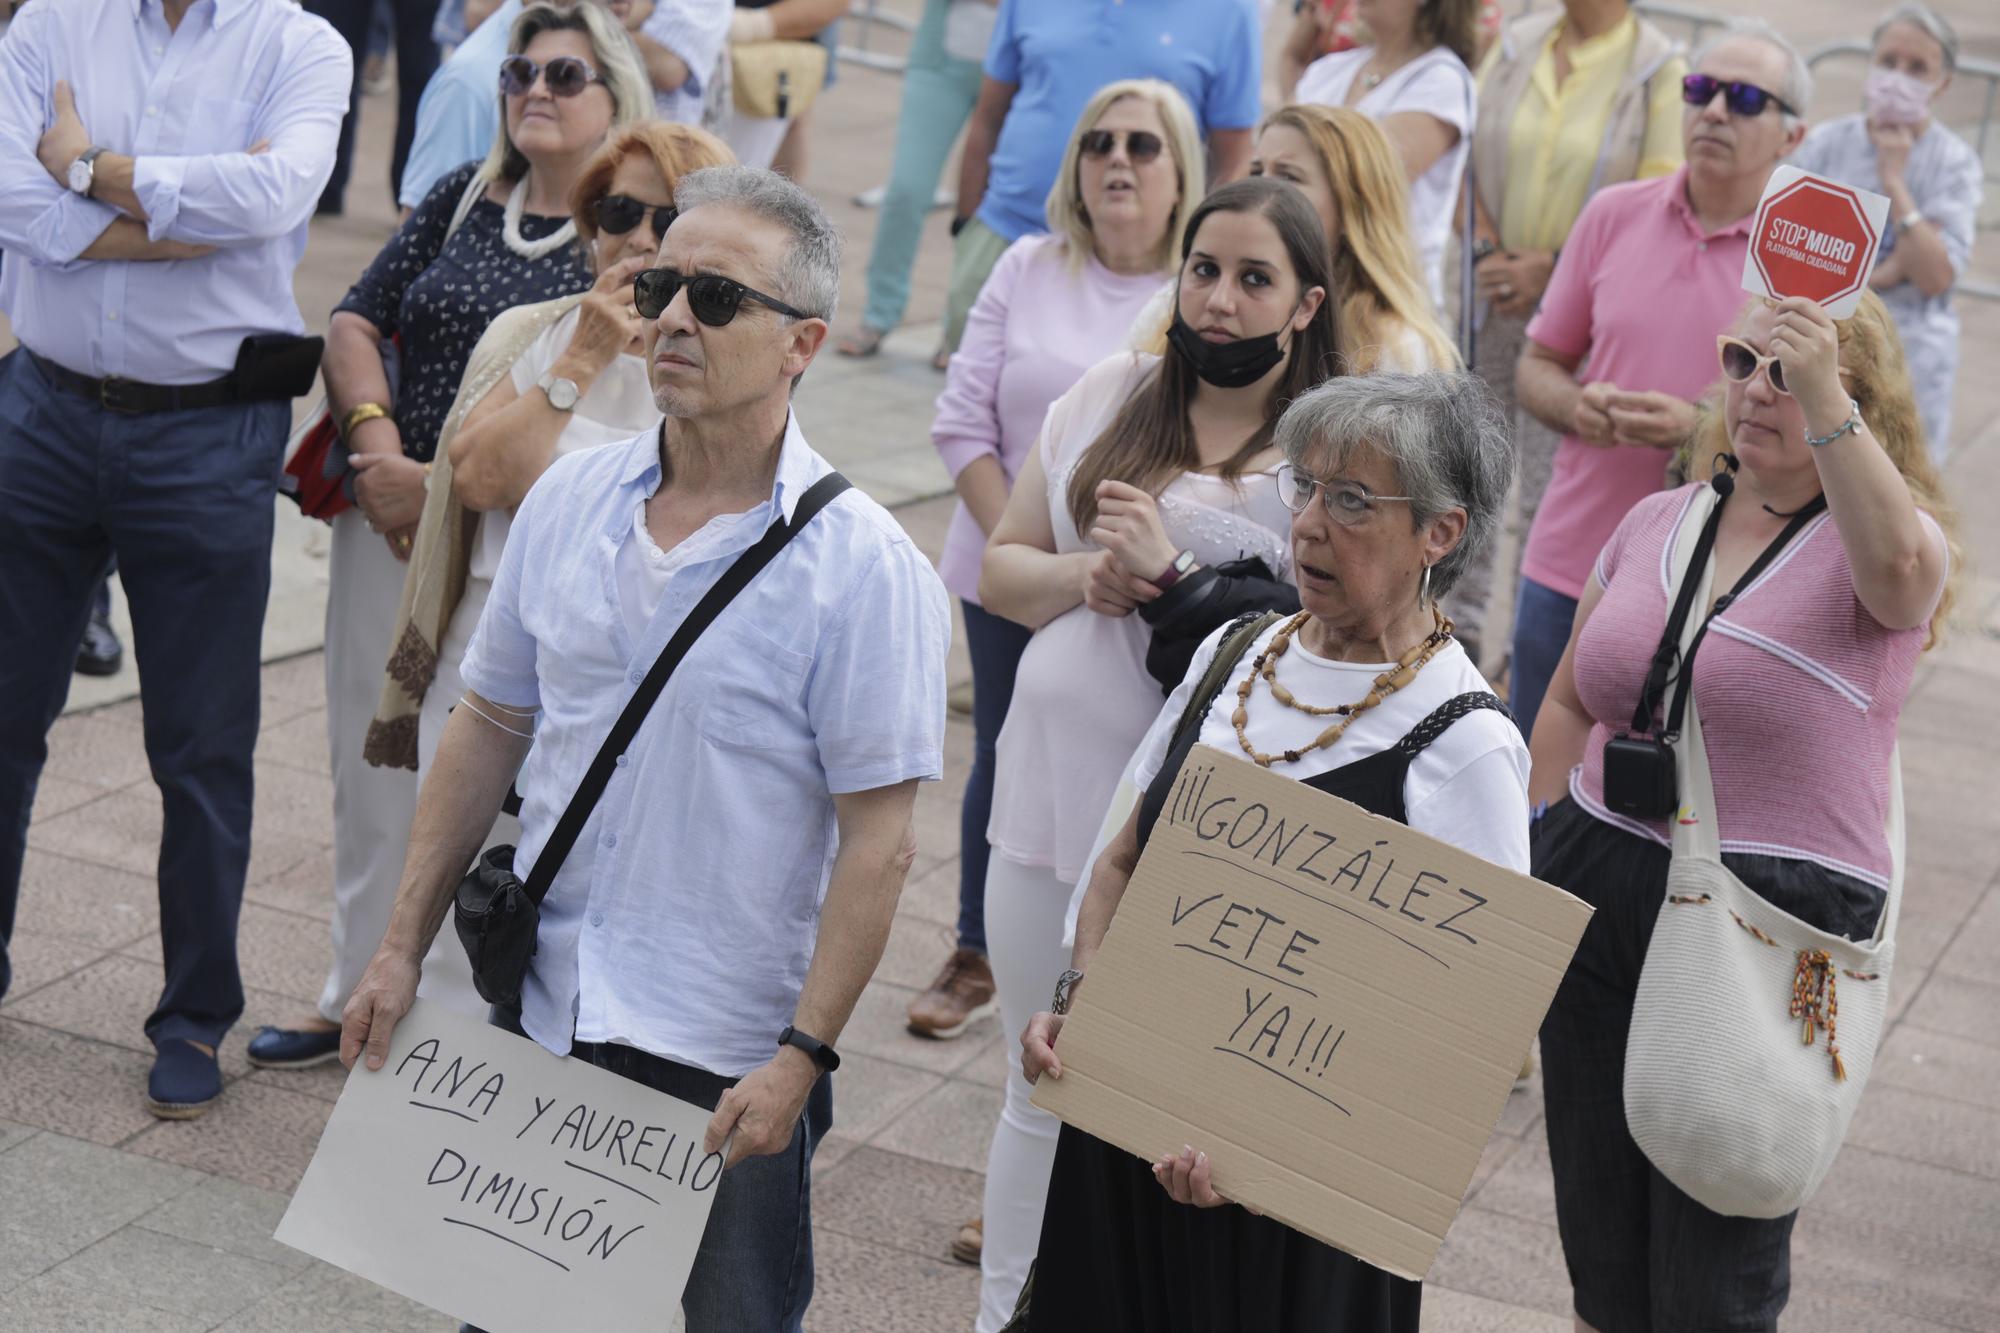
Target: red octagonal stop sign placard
[{"x": 1814, "y": 238}]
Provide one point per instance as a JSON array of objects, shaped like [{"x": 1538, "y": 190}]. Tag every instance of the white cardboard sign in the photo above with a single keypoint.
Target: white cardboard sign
[
  {"x": 481, "y": 1175},
  {"x": 1816, "y": 238}
]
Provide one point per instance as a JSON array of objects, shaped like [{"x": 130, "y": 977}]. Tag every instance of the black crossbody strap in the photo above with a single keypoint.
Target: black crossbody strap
[
  {"x": 1757, "y": 566},
  {"x": 733, "y": 581},
  {"x": 1669, "y": 664}
]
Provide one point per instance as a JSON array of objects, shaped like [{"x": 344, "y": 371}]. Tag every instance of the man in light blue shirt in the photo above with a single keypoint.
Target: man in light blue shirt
[
  {"x": 719, "y": 913},
  {"x": 162, "y": 159},
  {"x": 679, "y": 42},
  {"x": 1047, "y": 58}
]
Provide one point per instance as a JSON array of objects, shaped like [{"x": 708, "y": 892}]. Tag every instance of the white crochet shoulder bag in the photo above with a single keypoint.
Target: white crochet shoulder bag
[{"x": 1753, "y": 1033}]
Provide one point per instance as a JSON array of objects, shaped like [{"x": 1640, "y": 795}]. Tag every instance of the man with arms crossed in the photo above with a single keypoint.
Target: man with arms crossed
[
  {"x": 735, "y": 884},
  {"x": 161, "y": 161}
]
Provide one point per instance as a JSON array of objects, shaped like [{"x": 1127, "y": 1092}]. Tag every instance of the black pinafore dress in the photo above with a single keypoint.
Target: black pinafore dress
[{"x": 1118, "y": 1255}]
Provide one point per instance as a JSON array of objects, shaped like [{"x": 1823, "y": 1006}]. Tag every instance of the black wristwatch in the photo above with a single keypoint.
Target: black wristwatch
[
  {"x": 958, "y": 224},
  {"x": 822, "y": 1054}
]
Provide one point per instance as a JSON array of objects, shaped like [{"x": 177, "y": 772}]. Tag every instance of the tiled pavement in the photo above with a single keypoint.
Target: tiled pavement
[{"x": 110, "y": 1220}]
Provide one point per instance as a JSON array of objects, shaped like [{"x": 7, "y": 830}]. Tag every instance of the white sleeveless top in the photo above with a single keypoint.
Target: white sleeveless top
[{"x": 1082, "y": 696}]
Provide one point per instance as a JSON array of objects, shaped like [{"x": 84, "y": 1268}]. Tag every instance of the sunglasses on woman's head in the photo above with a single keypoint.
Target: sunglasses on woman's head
[
  {"x": 619, "y": 213},
  {"x": 1744, "y": 99},
  {"x": 1741, "y": 362},
  {"x": 712, "y": 298},
  {"x": 566, "y": 75},
  {"x": 1140, "y": 145}
]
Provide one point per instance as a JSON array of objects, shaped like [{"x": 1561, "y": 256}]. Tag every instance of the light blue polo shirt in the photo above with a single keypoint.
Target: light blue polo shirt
[{"x": 1060, "y": 52}]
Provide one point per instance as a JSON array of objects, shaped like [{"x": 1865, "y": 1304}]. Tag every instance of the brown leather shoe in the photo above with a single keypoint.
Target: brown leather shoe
[
  {"x": 961, "y": 995},
  {"x": 970, "y": 1241}
]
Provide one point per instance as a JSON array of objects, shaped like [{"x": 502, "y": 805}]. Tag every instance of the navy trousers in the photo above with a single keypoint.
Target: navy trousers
[
  {"x": 416, "y": 61},
  {"x": 185, "y": 502}
]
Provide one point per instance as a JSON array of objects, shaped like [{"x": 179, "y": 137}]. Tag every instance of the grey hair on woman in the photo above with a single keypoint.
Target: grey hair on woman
[
  {"x": 809, "y": 277},
  {"x": 1925, "y": 20},
  {"x": 1440, "y": 430}
]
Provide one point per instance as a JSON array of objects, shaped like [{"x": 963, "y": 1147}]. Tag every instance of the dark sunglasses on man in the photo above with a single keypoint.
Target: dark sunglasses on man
[
  {"x": 1744, "y": 99},
  {"x": 566, "y": 75},
  {"x": 713, "y": 298},
  {"x": 619, "y": 213},
  {"x": 1140, "y": 145}
]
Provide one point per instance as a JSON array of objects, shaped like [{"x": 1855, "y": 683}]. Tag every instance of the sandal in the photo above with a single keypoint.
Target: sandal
[
  {"x": 864, "y": 341},
  {"x": 941, "y": 359}
]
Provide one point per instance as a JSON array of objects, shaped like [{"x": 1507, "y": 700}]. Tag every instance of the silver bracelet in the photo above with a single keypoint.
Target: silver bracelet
[{"x": 1847, "y": 427}]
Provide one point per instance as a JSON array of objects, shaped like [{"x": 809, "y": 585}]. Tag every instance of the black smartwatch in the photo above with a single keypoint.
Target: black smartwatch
[{"x": 822, "y": 1054}]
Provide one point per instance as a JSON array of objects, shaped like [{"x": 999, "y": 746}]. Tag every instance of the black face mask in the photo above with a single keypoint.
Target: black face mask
[{"x": 1229, "y": 365}]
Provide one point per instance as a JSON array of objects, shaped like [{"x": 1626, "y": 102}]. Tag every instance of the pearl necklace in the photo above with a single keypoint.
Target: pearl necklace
[
  {"x": 510, "y": 228},
  {"x": 1395, "y": 678}
]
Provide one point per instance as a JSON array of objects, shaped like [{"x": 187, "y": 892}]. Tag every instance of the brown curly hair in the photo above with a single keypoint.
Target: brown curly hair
[{"x": 1871, "y": 352}]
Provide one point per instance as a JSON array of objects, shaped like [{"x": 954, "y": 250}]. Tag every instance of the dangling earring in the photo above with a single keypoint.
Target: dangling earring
[{"x": 1424, "y": 592}]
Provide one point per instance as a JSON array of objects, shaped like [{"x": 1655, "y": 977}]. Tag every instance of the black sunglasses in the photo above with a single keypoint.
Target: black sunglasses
[
  {"x": 1745, "y": 99},
  {"x": 619, "y": 213},
  {"x": 713, "y": 298},
  {"x": 567, "y": 76},
  {"x": 1140, "y": 145}
]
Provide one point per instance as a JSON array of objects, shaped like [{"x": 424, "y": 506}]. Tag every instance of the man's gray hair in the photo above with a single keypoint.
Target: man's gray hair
[
  {"x": 1798, "y": 89},
  {"x": 1926, "y": 20},
  {"x": 1440, "y": 430},
  {"x": 808, "y": 278}
]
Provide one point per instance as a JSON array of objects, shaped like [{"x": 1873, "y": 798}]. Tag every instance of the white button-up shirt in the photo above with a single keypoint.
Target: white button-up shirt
[
  {"x": 188, "y": 103},
  {"x": 683, "y": 921}
]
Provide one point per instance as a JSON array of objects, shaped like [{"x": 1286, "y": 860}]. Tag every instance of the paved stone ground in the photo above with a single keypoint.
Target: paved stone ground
[{"x": 115, "y": 1221}]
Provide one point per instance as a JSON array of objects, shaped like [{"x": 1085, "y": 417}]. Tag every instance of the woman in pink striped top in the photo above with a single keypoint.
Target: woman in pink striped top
[{"x": 1800, "y": 681}]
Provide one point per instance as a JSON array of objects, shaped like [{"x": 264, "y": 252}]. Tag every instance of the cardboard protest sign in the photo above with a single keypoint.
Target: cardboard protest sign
[
  {"x": 1814, "y": 238},
  {"x": 481, "y": 1175},
  {"x": 1330, "y": 1004}
]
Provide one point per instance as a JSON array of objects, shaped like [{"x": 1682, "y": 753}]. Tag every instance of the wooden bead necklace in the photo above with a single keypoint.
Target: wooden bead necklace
[{"x": 1395, "y": 678}]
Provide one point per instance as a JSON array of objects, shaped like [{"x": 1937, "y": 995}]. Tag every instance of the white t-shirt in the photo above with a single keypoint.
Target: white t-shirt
[
  {"x": 1468, "y": 788},
  {"x": 1436, "y": 84}
]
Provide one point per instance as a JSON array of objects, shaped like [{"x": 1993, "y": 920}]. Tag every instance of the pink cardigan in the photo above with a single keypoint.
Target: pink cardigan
[
  {"x": 1039, "y": 323},
  {"x": 1799, "y": 689}
]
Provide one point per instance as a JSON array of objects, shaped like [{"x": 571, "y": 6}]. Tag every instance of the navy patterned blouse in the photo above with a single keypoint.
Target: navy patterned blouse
[{"x": 440, "y": 295}]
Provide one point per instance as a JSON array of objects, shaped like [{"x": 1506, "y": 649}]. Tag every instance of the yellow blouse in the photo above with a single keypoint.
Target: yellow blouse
[{"x": 1557, "y": 133}]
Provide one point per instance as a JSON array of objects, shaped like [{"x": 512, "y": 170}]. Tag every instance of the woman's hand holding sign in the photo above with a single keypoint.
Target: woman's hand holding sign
[{"x": 1807, "y": 345}]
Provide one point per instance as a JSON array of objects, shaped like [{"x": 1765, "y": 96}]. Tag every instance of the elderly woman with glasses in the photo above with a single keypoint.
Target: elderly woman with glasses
[
  {"x": 1395, "y": 482},
  {"x": 489, "y": 236}
]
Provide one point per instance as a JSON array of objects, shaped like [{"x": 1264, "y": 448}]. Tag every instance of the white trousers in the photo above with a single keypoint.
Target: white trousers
[
  {"x": 1025, "y": 907},
  {"x": 371, "y": 806},
  {"x": 447, "y": 975}
]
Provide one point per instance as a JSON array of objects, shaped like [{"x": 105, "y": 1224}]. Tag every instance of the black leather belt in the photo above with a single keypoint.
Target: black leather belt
[{"x": 133, "y": 398}]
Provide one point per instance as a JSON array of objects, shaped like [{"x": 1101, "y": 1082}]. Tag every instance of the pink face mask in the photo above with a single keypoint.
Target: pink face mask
[{"x": 1895, "y": 98}]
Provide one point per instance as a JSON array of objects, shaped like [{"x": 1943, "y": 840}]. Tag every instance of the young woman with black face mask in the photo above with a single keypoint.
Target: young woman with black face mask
[{"x": 1150, "y": 472}]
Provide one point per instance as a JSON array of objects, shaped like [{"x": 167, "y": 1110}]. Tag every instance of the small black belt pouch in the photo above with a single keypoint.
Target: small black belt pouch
[
  {"x": 497, "y": 921},
  {"x": 276, "y": 366}
]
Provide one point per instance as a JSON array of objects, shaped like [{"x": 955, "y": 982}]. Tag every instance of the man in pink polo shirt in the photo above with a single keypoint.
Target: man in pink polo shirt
[{"x": 1624, "y": 341}]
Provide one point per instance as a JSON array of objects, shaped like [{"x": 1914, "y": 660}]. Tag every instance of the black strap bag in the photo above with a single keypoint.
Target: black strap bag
[{"x": 497, "y": 915}]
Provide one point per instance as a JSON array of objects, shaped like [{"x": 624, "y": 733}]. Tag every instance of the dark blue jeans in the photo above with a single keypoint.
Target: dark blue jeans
[
  {"x": 185, "y": 502},
  {"x": 754, "y": 1270},
  {"x": 416, "y": 61},
  {"x": 995, "y": 646},
  {"x": 1542, "y": 619}
]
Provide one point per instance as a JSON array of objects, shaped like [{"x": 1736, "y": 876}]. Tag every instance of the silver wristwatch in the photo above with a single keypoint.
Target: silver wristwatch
[
  {"x": 562, "y": 393},
  {"x": 83, "y": 171},
  {"x": 1065, "y": 984}
]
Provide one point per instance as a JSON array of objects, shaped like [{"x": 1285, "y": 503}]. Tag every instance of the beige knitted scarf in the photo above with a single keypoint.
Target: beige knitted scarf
[{"x": 442, "y": 556}]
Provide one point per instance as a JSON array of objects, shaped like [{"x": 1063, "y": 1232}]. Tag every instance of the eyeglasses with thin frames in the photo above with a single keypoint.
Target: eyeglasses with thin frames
[{"x": 1348, "y": 503}]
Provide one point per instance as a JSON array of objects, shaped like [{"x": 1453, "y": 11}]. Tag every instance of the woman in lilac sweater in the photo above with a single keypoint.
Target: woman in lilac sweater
[
  {"x": 1800, "y": 680},
  {"x": 1055, "y": 305}
]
